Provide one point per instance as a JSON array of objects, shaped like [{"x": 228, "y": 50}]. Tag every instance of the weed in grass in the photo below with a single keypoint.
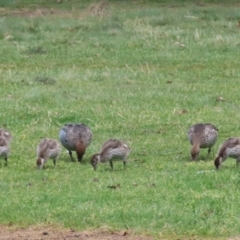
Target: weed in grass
[
  {"x": 38, "y": 50},
  {"x": 45, "y": 80}
]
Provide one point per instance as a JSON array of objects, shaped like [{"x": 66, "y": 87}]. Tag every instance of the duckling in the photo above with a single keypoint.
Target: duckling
[
  {"x": 111, "y": 149},
  {"x": 6, "y": 134},
  {"x": 230, "y": 148},
  {"x": 4, "y": 149},
  {"x": 75, "y": 137},
  {"x": 202, "y": 136},
  {"x": 47, "y": 148}
]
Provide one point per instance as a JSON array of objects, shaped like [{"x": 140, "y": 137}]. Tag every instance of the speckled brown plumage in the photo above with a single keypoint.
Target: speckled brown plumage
[
  {"x": 6, "y": 134},
  {"x": 5, "y": 139},
  {"x": 47, "y": 148},
  {"x": 230, "y": 148},
  {"x": 202, "y": 136},
  {"x": 110, "y": 150},
  {"x": 4, "y": 149},
  {"x": 75, "y": 137}
]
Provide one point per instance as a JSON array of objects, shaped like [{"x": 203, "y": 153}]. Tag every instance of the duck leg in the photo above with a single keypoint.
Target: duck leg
[
  {"x": 111, "y": 164},
  {"x": 70, "y": 153},
  {"x": 209, "y": 151},
  {"x": 124, "y": 163}
]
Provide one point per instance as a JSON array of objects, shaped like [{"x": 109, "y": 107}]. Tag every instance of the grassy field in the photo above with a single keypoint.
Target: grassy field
[{"x": 143, "y": 72}]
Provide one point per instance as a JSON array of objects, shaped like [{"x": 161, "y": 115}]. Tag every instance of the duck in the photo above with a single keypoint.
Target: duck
[
  {"x": 75, "y": 137},
  {"x": 47, "y": 148},
  {"x": 202, "y": 135},
  {"x": 6, "y": 134},
  {"x": 112, "y": 149},
  {"x": 230, "y": 148},
  {"x": 4, "y": 149}
]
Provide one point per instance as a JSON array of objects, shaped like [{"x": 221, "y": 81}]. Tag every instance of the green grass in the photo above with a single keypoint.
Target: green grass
[{"x": 141, "y": 72}]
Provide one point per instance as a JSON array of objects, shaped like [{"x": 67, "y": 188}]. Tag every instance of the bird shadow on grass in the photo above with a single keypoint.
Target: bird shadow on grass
[
  {"x": 200, "y": 158},
  {"x": 67, "y": 159},
  {"x": 108, "y": 169}
]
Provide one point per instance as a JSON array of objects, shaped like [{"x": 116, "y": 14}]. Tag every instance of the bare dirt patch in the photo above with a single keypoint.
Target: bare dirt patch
[
  {"x": 66, "y": 234},
  {"x": 98, "y": 9},
  {"x": 35, "y": 13}
]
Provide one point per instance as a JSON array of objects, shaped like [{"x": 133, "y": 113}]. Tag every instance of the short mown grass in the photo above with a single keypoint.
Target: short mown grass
[{"x": 140, "y": 72}]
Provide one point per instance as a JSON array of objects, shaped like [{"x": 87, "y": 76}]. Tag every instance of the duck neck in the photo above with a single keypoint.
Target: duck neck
[
  {"x": 195, "y": 151},
  {"x": 80, "y": 150}
]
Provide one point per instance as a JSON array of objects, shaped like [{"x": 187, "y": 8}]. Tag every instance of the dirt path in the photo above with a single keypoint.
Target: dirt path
[
  {"x": 50, "y": 233},
  {"x": 66, "y": 234}
]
